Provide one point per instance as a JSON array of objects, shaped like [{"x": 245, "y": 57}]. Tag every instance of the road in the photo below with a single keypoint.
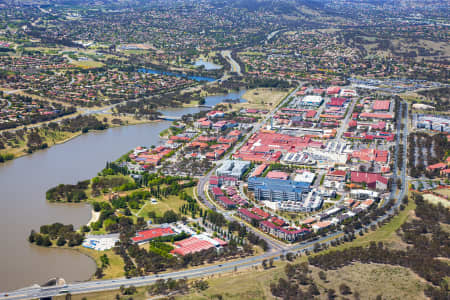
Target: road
[
  {"x": 404, "y": 140},
  {"x": 235, "y": 67},
  {"x": 346, "y": 120}
]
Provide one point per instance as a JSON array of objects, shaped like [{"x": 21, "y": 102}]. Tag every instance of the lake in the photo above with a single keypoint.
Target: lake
[{"x": 208, "y": 65}]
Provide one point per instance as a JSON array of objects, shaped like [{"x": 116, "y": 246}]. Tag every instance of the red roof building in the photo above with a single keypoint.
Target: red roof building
[
  {"x": 226, "y": 202},
  {"x": 373, "y": 180},
  {"x": 147, "y": 235},
  {"x": 339, "y": 102},
  {"x": 191, "y": 245},
  {"x": 381, "y": 105},
  {"x": 277, "y": 175},
  {"x": 333, "y": 90},
  {"x": 380, "y": 156},
  {"x": 310, "y": 114},
  {"x": 438, "y": 166},
  {"x": 217, "y": 192},
  {"x": 260, "y": 212},
  {"x": 247, "y": 215},
  {"x": 259, "y": 170},
  {"x": 380, "y": 116}
]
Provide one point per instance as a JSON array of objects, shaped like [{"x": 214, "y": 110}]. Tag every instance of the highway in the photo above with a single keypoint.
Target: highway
[{"x": 234, "y": 66}]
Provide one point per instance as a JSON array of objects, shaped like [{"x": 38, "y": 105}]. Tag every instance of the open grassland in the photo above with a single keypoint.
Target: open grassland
[
  {"x": 444, "y": 192},
  {"x": 371, "y": 280},
  {"x": 436, "y": 199},
  {"x": 87, "y": 64},
  {"x": 164, "y": 204},
  {"x": 262, "y": 98},
  {"x": 115, "y": 268},
  {"x": 251, "y": 283}
]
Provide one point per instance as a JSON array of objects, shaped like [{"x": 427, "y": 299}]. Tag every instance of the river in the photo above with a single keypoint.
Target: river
[{"x": 25, "y": 180}]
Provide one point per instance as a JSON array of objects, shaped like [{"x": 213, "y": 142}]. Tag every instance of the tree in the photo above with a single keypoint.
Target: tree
[
  {"x": 331, "y": 294},
  {"x": 61, "y": 241},
  {"x": 345, "y": 289},
  {"x": 323, "y": 275},
  {"x": 46, "y": 242},
  {"x": 99, "y": 273},
  {"x": 32, "y": 237},
  {"x": 264, "y": 263}
]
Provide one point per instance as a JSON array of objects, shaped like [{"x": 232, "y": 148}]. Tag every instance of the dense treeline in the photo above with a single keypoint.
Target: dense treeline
[
  {"x": 83, "y": 123},
  {"x": 147, "y": 107},
  {"x": 57, "y": 232},
  {"x": 68, "y": 192}
]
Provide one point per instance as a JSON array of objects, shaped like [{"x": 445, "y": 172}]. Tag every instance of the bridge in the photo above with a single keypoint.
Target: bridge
[{"x": 169, "y": 118}]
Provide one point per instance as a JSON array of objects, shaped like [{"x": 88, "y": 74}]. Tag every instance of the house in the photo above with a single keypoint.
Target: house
[
  {"x": 235, "y": 134},
  {"x": 368, "y": 155},
  {"x": 269, "y": 227},
  {"x": 259, "y": 170},
  {"x": 291, "y": 234},
  {"x": 381, "y": 116}
]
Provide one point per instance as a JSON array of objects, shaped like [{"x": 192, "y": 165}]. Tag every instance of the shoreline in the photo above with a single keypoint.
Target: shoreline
[
  {"x": 75, "y": 135},
  {"x": 95, "y": 215}
]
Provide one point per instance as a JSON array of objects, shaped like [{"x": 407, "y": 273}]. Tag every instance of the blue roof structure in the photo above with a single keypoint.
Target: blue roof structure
[{"x": 278, "y": 184}]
